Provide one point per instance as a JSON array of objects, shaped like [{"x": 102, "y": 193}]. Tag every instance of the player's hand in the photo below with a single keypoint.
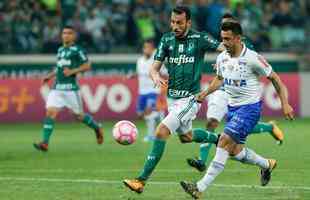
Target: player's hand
[
  {"x": 45, "y": 80},
  {"x": 288, "y": 111},
  {"x": 160, "y": 82},
  {"x": 201, "y": 96},
  {"x": 67, "y": 72},
  {"x": 214, "y": 66}
]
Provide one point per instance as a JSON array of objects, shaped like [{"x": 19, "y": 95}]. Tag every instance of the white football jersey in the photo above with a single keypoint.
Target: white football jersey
[
  {"x": 146, "y": 84},
  {"x": 241, "y": 76}
]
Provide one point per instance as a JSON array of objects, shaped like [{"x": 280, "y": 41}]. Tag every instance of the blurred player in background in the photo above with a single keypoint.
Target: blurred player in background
[
  {"x": 147, "y": 100},
  {"x": 218, "y": 108},
  {"x": 239, "y": 68},
  {"x": 184, "y": 50},
  {"x": 71, "y": 60}
]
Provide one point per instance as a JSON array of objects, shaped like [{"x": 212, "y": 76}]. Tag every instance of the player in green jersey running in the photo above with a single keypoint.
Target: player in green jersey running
[
  {"x": 184, "y": 51},
  {"x": 71, "y": 60},
  {"x": 217, "y": 109}
]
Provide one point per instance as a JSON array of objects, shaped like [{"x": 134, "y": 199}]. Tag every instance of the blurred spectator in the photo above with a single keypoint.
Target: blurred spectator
[
  {"x": 68, "y": 9},
  {"x": 215, "y": 11},
  {"x": 286, "y": 25},
  {"x": 51, "y": 35},
  {"x": 200, "y": 14},
  {"x": 103, "y": 26}
]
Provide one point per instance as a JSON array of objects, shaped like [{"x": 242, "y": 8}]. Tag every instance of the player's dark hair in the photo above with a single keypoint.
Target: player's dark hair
[
  {"x": 234, "y": 27},
  {"x": 150, "y": 41},
  {"x": 228, "y": 16},
  {"x": 183, "y": 9},
  {"x": 68, "y": 27}
]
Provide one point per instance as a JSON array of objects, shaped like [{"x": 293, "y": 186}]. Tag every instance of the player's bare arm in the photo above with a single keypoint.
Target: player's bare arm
[
  {"x": 155, "y": 75},
  {"x": 83, "y": 68},
  {"x": 214, "y": 85},
  {"x": 48, "y": 77},
  {"x": 282, "y": 92}
]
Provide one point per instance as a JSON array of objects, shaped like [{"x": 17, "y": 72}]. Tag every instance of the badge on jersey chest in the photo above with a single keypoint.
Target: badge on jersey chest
[{"x": 181, "y": 48}]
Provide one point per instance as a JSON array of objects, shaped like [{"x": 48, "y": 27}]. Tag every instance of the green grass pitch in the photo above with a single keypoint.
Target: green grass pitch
[{"x": 76, "y": 168}]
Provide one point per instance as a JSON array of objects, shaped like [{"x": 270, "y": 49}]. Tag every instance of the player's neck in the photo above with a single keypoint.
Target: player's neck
[
  {"x": 238, "y": 50},
  {"x": 185, "y": 34},
  {"x": 68, "y": 44}
]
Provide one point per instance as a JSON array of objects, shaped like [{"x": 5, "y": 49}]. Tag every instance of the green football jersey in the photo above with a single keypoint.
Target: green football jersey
[
  {"x": 184, "y": 61},
  {"x": 70, "y": 57}
]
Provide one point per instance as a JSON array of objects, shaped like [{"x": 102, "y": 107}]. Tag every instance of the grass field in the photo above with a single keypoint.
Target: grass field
[{"x": 76, "y": 168}]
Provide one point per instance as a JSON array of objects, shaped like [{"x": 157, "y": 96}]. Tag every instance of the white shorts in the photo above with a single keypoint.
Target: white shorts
[
  {"x": 65, "y": 99},
  {"x": 181, "y": 114},
  {"x": 217, "y": 105}
]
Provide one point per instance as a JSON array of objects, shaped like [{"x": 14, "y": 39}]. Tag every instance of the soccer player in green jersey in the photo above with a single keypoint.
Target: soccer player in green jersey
[
  {"x": 184, "y": 50},
  {"x": 217, "y": 109},
  {"x": 71, "y": 60}
]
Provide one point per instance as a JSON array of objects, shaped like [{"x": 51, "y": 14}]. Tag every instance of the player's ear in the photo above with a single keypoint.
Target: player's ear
[{"x": 189, "y": 22}]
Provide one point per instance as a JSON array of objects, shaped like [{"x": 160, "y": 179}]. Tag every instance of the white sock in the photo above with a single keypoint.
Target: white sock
[
  {"x": 151, "y": 122},
  {"x": 215, "y": 168},
  {"x": 250, "y": 157}
]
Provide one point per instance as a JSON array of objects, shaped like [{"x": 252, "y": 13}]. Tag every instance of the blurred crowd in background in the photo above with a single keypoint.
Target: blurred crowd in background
[{"x": 119, "y": 26}]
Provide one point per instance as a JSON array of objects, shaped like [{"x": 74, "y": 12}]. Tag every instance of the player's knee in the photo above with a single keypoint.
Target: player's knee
[
  {"x": 79, "y": 117},
  {"x": 212, "y": 124},
  {"x": 162, "y": 132},
  {"x": 186, "y": 139},
  {"x": 51, "y": 113},
  {"x": 147, "y": 111},
  {"x": 227, "y": 143}
]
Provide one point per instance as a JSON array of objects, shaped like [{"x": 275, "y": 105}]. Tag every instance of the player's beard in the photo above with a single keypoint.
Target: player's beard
[{"x": 183, "y": 34}]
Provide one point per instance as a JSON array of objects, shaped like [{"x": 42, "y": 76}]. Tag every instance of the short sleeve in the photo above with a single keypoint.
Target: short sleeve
[
  {"x": 218, "y": 67},
  {"x": 208, "y": 43},
  {"x": 82, "y": 57},
  {"x": 161, "y": 52},
  {"x": 261, "y": 66}
]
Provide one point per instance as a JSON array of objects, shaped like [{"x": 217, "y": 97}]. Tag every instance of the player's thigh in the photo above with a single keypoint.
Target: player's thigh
[
  {"x": 73, "y": 101},
  {"x": 162, "y": 131},
  {"x": 217, "y": 105},
  {"x": 185, "y": 132}
]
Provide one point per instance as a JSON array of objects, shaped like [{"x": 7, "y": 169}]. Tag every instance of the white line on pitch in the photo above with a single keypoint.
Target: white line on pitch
[
  {"x": 60, "y": 170},
  {"x": 152, "y": 183}
]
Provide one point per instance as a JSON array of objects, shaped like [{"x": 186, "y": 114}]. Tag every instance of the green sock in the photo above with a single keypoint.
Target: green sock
[
  {"x": 262, "y": 127},
  {"x": 202, "y": 136},
  {"x": 204, "y": 152},
  {"x": 90, "y": 122},
  {"x": 152, "y": 159},
  {"x": 48, "y": 126}
]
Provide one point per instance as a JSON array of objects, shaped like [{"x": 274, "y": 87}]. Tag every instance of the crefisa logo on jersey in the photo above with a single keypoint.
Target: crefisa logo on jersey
[
  {"x": 64, "y": 62},
  {"x": 183, "y": 59}
]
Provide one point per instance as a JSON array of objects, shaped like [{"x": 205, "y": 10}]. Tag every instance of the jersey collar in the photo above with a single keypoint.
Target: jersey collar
[{"x": 244, "y": 50}]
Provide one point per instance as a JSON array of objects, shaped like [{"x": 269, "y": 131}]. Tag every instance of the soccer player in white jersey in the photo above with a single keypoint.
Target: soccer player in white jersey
[
  {"x": 146, "y": 106},
  {"x": 218, "y": 108},
  {"x": 239, "y": 68}
]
